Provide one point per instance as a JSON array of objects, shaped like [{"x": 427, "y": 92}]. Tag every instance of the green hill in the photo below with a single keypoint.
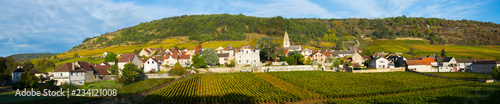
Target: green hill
[
  {"x": 305, "y": 31},
  {"x": 29, "y": 56}
]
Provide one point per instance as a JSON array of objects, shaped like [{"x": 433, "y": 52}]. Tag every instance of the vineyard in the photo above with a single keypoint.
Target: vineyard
[
  {"x": 341, "y": 85},
  {"x": 284, "y": 87},
  {"x": 220, "y": 88}
]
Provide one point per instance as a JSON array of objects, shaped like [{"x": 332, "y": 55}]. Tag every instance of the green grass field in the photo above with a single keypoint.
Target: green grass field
[{"x": 423, "y": 48}]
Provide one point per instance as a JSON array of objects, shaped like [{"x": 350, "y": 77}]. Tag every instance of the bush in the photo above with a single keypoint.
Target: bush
[
  {"x": 69, "y": 86},
  {"x": 177, "y": 69},
  {"x": 27, "y": 80},
  {"x": 495, "y": 72},
  {"x": 51, "y": 84},
  {"x": 130, "y": 73}
]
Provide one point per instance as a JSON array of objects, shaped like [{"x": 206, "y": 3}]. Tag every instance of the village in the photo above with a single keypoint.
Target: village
[{"x": 247, "y": 59}]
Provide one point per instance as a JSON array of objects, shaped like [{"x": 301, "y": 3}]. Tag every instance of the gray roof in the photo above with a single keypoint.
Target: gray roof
[
  {"x": 294, "y": 47},
  {"x": 445, "y": 59},
  {"x": 465, "y": 60}
]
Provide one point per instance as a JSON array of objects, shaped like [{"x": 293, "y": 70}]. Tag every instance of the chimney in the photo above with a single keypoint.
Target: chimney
[{"x": 73, "y": 66}]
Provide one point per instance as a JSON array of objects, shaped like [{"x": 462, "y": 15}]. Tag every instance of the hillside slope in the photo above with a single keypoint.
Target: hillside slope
[
  {"x": 222, "y": 27},
  {"x": 29, "y": 56}
]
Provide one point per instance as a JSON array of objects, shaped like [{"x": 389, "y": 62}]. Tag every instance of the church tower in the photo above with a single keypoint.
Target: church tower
[{"x": 286, "y": 41}]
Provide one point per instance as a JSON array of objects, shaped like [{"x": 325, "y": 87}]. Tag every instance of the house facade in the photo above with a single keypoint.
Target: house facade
[
  {"x": 248, "y": 56},
  {"x": 380, "y": 63},
  {"x": 318, "y": 57},
  {"x": 419, "y": 65},
  {"x": 483, "y": 66},
  {"x": 447, "y": 64},
  {"x": 129, "y": 58},
  {"x": 16, "y": 75},
  {"x": 223, "y": 58},
  {"x": 75, "y": 73},
  {"x": 170, "y": 60}
]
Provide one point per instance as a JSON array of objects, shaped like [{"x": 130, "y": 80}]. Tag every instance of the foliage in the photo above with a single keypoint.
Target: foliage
[
  {"x": 5, "y": 72},
  {"x": 443, "y": 53},
  {"x": 232, "y": 63},
  {"x": 411, "y": 51},
  {"x": 269, "y": 50},
  {"x": 110, "y": 57},
  {"x": 29, "y": 56},
  {"x": 75, "y": 55},
  {"x": 44, "y": 64},
  {"x": 295, "y": 59},
  {"x": 308, "y": 61},
  {"x": 130, "y": 74},
  {"x": 177, "y": 69},
  {"x": 198, "y": 61},
  {"x": 28, "y": 65},
  {"x": 210, "y": 56},
  {"x": 214, "y": 88},
  {"x": 137, "y": 51},
  {"x": 51, "y": 84},
  {"x": 69, "y": 86},
  {"x": 113, "y": 69},
  {"x": 26, "y": 80},
  {"x": 495, "y": 73}
]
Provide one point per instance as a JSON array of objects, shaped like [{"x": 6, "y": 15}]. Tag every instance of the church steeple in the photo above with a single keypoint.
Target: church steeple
[{"x": 286, "y": 40}]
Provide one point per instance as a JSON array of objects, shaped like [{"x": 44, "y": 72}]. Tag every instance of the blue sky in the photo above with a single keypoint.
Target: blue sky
[{"x": 54, "y": 26}]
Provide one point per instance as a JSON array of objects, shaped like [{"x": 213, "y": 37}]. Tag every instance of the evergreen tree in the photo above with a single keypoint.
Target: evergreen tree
[
  {"x": 210, "y": 56},
  {"x": 111, "y": 57},
  {"x": 130, "y": 74},
  {"x": 443, "y": 53}
]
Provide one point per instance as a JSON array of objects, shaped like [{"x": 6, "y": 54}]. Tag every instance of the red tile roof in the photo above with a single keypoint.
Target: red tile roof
[
  {"x": 417, "y": 62},
  {"x": 126, "y": 57}
]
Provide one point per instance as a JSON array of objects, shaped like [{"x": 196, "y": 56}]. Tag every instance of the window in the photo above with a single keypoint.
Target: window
[
  {"x": 148, "y": 62},
  {"x": 71, "y": 74},
  {"x": 247, "y": 61},
  {"x": 239, "y": 61},
  {"x": 61, "y": 74},
  {"x": 254, "y": 56},
  {"x": 254, "y": 61}
]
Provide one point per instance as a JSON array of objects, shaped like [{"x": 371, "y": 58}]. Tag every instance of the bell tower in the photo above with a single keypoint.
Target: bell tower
[{"x": 286, "y": 40}]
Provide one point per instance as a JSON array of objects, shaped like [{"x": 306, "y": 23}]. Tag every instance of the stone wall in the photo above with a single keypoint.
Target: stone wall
[
  {"x": 157, "y": 75},
  {"x": 288, "y": 68},
  {"x": 376, "y": 70}
]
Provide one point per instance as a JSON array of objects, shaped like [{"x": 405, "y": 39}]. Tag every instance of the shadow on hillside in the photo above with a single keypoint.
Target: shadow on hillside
[
  {"x": 232, "y": 98},
  {"x": 481, "y": 94}
]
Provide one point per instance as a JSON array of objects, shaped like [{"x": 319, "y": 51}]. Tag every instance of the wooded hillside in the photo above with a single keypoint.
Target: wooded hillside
[{"x": 301, "y": 30}]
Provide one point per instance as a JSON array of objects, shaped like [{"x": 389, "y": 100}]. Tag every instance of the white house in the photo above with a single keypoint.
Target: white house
[
  {"x": 464, "y": 64},
  {"x": 248, "y": 56},
  {"x": 151, "y": 65},
  {"x": 379, "y": 63},
  {"x": 223, "y": 58},
  {"x": 170, "y": 60},
  {"x": 419, "y": 65},
  {"x": 38, "y": 73},
  {"x": 483, "y": 66},
  {"x": 184, "y": 60},
  {"x": 104, "y": 54},
  {"x": 306, "y": 52},
  {"x": 447, "y": 64},
  {"x": 16, "y": 75},
  {"x": 358, "y": 59},
  {"x": 76, "y": 73},
  {"x": 128, "y": 58}
]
